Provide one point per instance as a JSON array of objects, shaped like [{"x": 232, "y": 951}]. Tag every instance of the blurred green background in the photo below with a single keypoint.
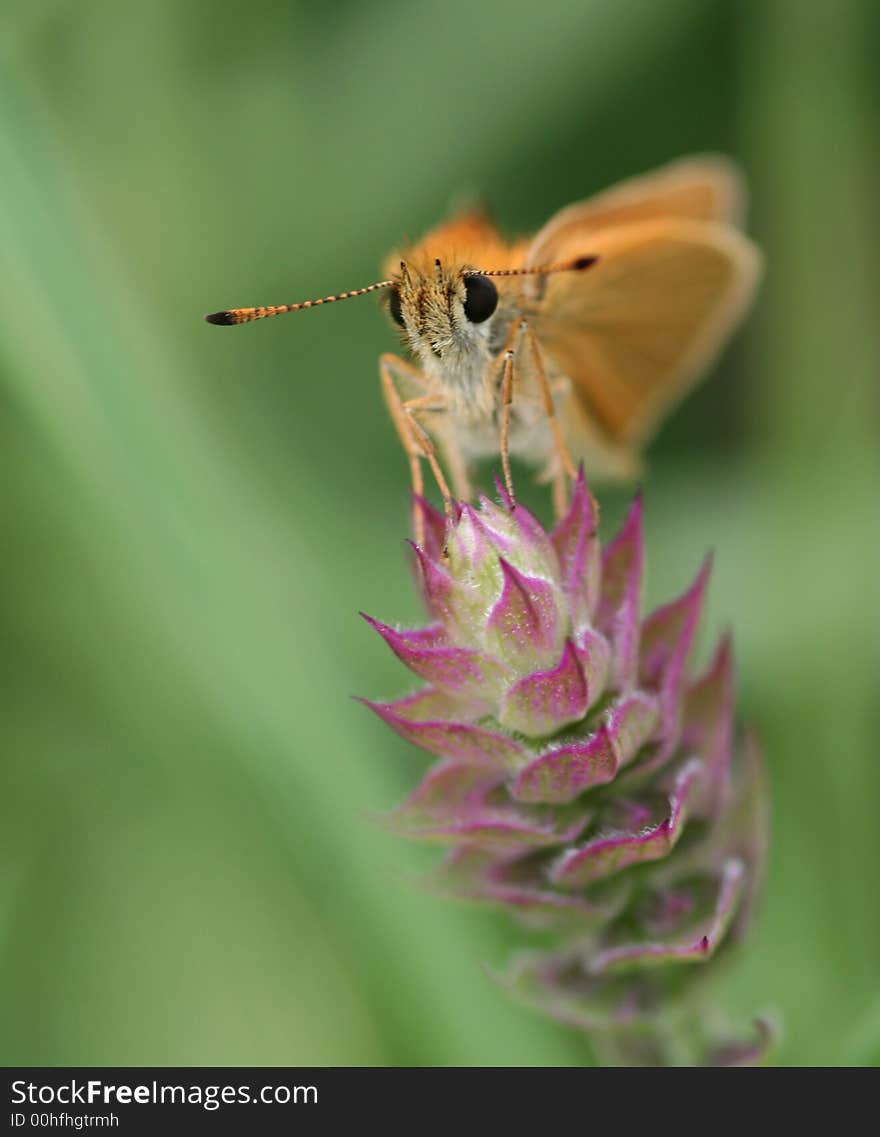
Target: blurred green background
[{"x": 192, "y": 517}]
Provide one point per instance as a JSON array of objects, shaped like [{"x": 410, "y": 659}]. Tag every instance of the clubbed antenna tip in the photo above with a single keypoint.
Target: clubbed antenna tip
[{"x": 247, "y": 315}]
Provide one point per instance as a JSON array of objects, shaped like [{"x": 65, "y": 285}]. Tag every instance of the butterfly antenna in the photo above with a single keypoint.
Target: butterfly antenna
[
  {"x": 246, "y": 315},
  {"x": 577, "y": 265}
]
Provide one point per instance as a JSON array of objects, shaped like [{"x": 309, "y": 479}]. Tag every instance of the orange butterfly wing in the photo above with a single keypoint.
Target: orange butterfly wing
[
  {"x": 633, "y": 332},
  {"x": 704, "y": 188},
  {"x": 637, "y": 329}
]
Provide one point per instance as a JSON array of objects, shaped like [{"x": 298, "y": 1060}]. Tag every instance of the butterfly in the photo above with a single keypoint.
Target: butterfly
[{"x": 568, "y": 346}]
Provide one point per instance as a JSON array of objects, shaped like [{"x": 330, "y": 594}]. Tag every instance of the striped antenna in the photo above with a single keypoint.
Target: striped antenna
[
  {"x": 576, "y": 265},
  {"x": 246, "y": 315}
]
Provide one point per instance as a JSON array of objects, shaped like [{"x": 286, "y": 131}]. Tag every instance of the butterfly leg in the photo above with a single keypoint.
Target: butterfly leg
[
  {"x": 560, "y": 493},
  {"x": 506, "y": 403},
  {"x": 458, "y": 468},
  {"x": 416, "y": 442},
  {"x": 389, "y": 367},
  {"x": 504, "y": 371},
  {"x": 564, "y": 466},
  {"x": 430, "y": 402}
]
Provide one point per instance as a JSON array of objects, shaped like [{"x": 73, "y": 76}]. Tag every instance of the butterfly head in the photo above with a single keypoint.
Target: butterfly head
[{"x": 444, "y": 312}]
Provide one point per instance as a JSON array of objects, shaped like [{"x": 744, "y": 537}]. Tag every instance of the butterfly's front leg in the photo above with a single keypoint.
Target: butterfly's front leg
[
  {"x": 507, "y": 377},
  {"x": 415, "y": 439},
  {"x": 563, "y": 465},
  {"x": 522, "y": 338},
  {"x": 504, "y": 369}
]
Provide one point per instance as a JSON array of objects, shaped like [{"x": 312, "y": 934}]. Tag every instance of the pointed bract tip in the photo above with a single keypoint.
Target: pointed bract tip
[
  {"x": 723, "y": 656},
  {"x": 582, "y": 500},
  {"x": 423, "y": 503},
  {"x": 422, "y": 555},
  {"x": 378, "y": 708},
  {"x": 506, "y": 500},
  {"x": 508, "y": 569},
  {"x": 430, "y": 511},
  {"x": 705, "y": 571},
  {"x": 637, "y": 510},
  {"x": 426, "y": 561},
  {"x": 223, "y": 319},
  {"x": 632, "y": 529},
  {"x": 435, "y": 525}
]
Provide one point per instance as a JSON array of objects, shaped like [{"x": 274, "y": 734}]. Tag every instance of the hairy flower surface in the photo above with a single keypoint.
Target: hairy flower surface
[{"x": 586, "y": 779}]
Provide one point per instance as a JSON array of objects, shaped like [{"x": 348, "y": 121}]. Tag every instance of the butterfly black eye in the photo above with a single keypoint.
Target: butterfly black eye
[
  {"x": 394, "y": 307},
  {"x": 481, "y": 298}
]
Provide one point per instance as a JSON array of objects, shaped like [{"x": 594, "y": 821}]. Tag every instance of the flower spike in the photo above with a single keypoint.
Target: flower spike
[{"x": 585, "y": 779}]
